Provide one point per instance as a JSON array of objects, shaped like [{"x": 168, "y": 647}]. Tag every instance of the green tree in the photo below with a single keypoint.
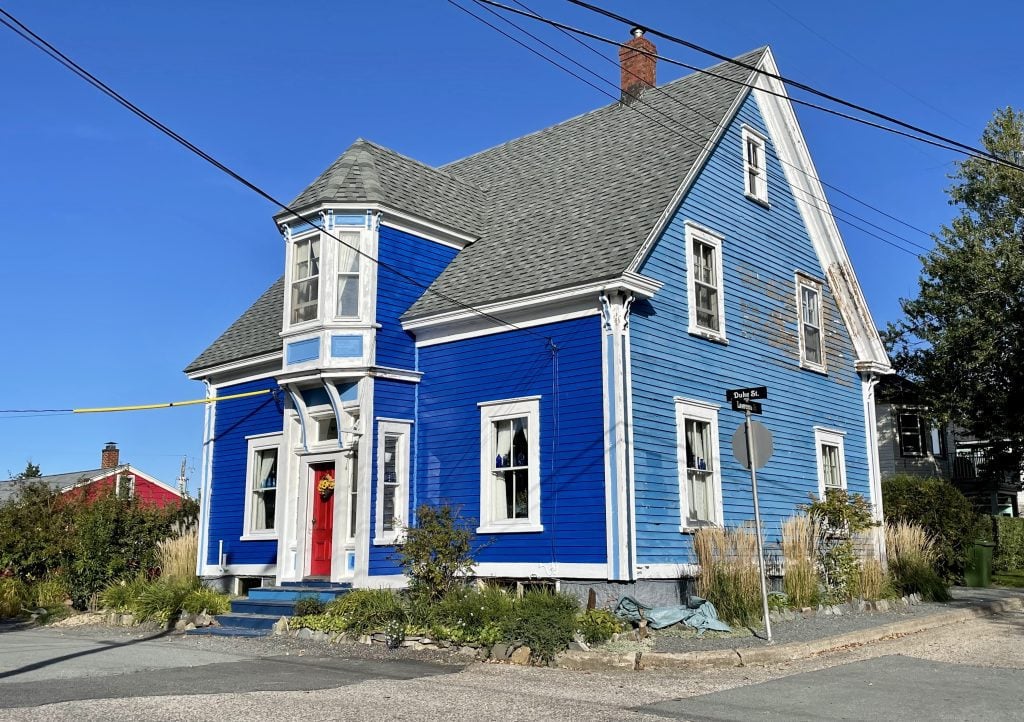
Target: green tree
[
  {"x": 31, "y": 472},
  {"x": 962, "y": 338}
]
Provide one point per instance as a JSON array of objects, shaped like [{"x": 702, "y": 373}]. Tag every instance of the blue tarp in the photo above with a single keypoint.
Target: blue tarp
[{"x": 697, "y": 613}]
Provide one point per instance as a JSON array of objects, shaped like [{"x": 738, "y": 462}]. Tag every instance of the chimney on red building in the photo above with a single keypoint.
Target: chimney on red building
[
  {"x": 636, "y": 60},
  {"x": 111, "y": 457}
]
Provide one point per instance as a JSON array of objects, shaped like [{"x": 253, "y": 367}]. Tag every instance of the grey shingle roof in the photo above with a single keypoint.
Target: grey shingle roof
[
  {"x": 9, "y": 488},
  {"x": 367, "y": 172},
  {"x": 567, "y": 205},
  {"x": 255, "y": 333}
]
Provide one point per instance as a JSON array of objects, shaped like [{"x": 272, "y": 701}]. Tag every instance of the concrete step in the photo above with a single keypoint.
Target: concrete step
[
  {"x": 295, "y": 593},
  {"x": 273, "y": 607},
  {"x": 247, "y": 621},
  {"x": 229, "y": 632},
  {"x": 319, "y": 583}
]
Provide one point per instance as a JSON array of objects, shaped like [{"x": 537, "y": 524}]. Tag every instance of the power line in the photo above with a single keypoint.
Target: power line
[
  {"x": 971, "y": 150},
  {"x": 671, "y": 130},
  {"x": 704, "y": 71},
  {"x": 41, "y": 44},
  {"x": 681, "y": 102}
]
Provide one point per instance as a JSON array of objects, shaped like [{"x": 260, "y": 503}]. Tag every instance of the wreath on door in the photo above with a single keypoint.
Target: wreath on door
[{"x": 326, "y": 486}]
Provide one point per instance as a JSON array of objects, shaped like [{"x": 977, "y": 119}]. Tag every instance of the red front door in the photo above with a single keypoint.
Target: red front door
[{"x": 323, "y": 522}]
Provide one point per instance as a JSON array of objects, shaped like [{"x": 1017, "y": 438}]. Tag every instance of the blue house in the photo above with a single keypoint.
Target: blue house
[{"x": 542, "y": 334}]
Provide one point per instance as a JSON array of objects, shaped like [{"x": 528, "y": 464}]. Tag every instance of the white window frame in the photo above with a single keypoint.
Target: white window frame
[
  {"x": 401, "y": 429},
  {"x": 491, "y": 411},
  {"x": 348, "y": 238},
  {"x": 758, "y": 191},
  {"x": 257, "y": 443},
  {"x": 699, "y": 234},
  {"x": 829, "y": 437},
  {"x": 319, "y": 414},
  {"x": 814, "y": 285},
  {"x": 702, "y": 411},
  {"x": 292, "y": 280},
  {"x": 131, "y": 484}
]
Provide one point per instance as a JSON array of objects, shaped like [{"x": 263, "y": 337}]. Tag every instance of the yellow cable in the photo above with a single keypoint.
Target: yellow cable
[{"x": 171, "y": 403}]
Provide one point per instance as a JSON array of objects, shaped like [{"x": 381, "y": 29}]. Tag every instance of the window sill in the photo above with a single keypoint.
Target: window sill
[
  {"x": 709, "y": 336},
  {"x": 495, "y": 528},
  {"x": 387, "y": 541},
  {"x": 763, "y": 202},
  {"x": 823, "y": 370},
  {"x": 259, "y": 537},
  {"x": 694, "y": 528}
]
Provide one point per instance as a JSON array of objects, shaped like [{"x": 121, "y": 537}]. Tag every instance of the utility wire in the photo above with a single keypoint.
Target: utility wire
[
  {"x": 697, "y": 111},
  {"x": 34, "y": 39},
  {"x": 971, "y": 150},
  {"x": 704, "y": 71},
  {"x": 663, "y": 125}
]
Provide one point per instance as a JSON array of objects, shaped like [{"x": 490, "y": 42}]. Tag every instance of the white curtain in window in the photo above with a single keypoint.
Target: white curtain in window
[
  {"x": 699, "y": 472},
  {"x": 348, "y": 278}
]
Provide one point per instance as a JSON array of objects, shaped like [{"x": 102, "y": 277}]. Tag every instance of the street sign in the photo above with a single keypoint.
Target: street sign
[
  {"x": 751, "y": 406},
  {"x": 756, "y": 393},
  {"x": 760, "y": 439}
]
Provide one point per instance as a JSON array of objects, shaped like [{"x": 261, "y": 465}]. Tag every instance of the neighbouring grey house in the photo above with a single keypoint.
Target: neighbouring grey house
[{"x": 910, "y": 442}]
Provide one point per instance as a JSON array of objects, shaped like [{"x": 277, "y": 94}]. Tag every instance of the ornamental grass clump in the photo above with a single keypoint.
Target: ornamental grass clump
[
  {"x": 13, "y": 596},
  {"x": 873, "y": 582},
  {"x": 729, "y": 574},
  {"x": 161, "y": 600},
  {"x": 176, "y": 556},
  {"x": 800, "y": 551},
  {"x": 912, "y": 559}
]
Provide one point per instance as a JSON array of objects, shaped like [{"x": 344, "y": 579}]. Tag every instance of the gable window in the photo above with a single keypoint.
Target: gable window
[
  {"x": 831, "y": 460},
  {"x": 700, "y": 474},
  {"x": 911, "y": 430},
  {"x": 809, "y": 317},
  {"x": 305, "y": 295},
  {"x": 261, "y": 486},
  {"x": 510, "y": 465},
  {"x": 125, "y": 486},
  {"x": 755, "y": 168},
  {"x": 348, "y": 276},
  {"x": 705, "y": 288},
  {"x": 392, "y": 480}
]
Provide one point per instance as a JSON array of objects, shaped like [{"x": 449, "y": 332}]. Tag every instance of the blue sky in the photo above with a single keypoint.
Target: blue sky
[{"x": 124, "y": 256}]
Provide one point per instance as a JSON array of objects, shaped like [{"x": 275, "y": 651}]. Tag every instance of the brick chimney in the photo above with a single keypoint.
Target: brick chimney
[
  {"x": 110, "y": 458},
  {"x": 637, "y": 66}
]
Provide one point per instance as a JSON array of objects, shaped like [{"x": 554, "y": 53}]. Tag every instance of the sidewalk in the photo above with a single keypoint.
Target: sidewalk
[{"x": 797, "y": 638}]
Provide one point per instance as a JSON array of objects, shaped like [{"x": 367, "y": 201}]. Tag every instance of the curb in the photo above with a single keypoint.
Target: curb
[{"x": 596, "y": 661}]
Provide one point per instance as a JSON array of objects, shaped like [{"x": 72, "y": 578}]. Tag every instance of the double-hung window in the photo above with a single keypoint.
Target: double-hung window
[
  {"x": 392, "y": 480},
  {"x": 912, "y": 429},
  {"x": 831, "y": 460},
  {"x": 348, "y": 276},
  {"x": 305, "y": 291},
  {"x": 810, "y": 326},
  {"x": 700, "y": 474},
  {"x": 704, "y": 282},
  {"x": 510, "y": 465},
  {"x": 261, "y": 486},
  {"x": 755, "y": 168}
]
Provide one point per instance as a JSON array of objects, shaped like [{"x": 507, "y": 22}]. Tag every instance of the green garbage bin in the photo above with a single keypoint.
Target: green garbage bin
[{"x": 979, "y": 564}]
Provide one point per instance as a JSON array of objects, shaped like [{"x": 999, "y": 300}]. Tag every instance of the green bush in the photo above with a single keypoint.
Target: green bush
[
  {"x": 121, "y": 595},
  {"x": 162, "y": 600},
  {"x": 206, "y": 600},
  {"x": 543, "y": 621},
  {"x": 943, "y": 511},
  {"x": 320, "y": 623},
  {"x": 598, "y": 625},
  {"x": 309, "y": 606},
  {"x": 1009, "y": 538},
  {"x": 50, "y": 592},
  {"x": 466, "y": 615},
  {"x": 366, "y": 610},
  {"x": 839, "y": 518},
  {"x": 13, "y": 597},
  {"x": 437, "y": 551}
]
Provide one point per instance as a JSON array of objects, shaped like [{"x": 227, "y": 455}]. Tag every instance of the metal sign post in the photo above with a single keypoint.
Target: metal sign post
[{"x": 757, "y": 523}]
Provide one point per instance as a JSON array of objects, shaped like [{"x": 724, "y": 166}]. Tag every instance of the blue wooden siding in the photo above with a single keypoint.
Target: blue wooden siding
[
  {"x": 414, "y": 258},
  {"x": 235, "y": 420},
  {"x": 763, "y": 247},
  {"x": 391, "y": 400},
  {"x": 459, "y": 375}
]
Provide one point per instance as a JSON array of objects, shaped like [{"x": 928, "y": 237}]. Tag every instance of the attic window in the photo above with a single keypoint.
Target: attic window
[
  {"x": 755, "y": 168},
  {"x": 305, "y": 279}
]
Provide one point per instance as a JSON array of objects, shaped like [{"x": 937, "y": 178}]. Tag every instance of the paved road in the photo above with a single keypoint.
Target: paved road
[{"x": 966, "y": 671}]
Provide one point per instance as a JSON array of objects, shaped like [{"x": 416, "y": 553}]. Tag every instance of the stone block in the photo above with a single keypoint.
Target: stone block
[
  {"x": 520, "y": 656},
  {"x": 499, "y": 651},
  {"x": 304, "y": 634}
]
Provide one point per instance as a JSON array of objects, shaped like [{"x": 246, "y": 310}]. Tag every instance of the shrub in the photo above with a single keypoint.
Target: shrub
[
  {"x": 470, "y": 614},
  {"x": 437, "y": 552},
  {"x": 543, "y": 621},
  {"x": 50, "y": 592},
  {"x": 911, "y": 561},
  {"x": 161, "y": 600},
  {"x": 366, "y": 610},
  {"x": 873, "y": 582},
  {"x": 1009, "y": 537},
  {"x": 320, "y": 623},
  {"x": 13, "y": 596},
  {"x": 309, "y": 606},
  {"x": 206, "y": 600},
  {"x": 121, "y": 595},
  {"x": 800, "y": 551},
  {"x": 729, "y": 574},
  {"x": 598, "y": 625},
  {"x": 839, "y": 518},
  {"x": 945, "y": 513},
  {"x": 177, "y": 555}
]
